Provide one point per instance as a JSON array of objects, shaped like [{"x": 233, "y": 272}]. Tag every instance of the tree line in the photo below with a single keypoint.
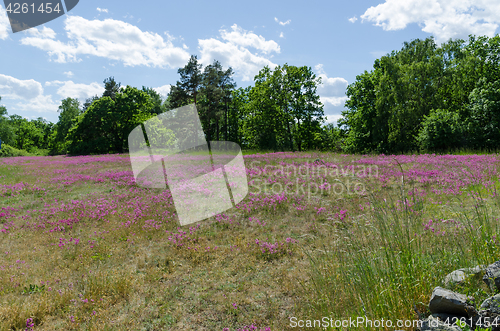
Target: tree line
[
  {"x": 281, "y": 112},
  {"x": 427, "y": 98},
  {"x": 420, "y": 98}
]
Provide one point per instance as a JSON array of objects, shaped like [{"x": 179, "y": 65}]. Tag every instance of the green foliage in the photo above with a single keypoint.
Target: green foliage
[
  {"x": 417, "y": 97},
  {"x": 28, "y": 135},
  {"x": 214, "y": 100},
  {"x": 105, "y": 126},
  {"x": 111, "y": 88},
  {"x": 68, "y": 113},
  {"x": 484, "y": 121},
  {"x": 186, "y": 90},
  {"x": 330, "y": 138},
  {"x": 441, "y": 131},
  {"x": 7, "y": 134},
  {"x": 155, "y": 97},
  {"x": 32, "y": 289},
  {"x": 159, "y": 135},
  {"x": 284, "y": 111},
  {"x": 9, "y": 151}
]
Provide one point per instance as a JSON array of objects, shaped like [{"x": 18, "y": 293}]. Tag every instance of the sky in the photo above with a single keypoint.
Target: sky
[{"x": 144, "y": 43}]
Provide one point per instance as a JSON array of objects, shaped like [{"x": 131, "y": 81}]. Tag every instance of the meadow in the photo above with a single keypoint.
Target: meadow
[{"x": 83, "y": 247}]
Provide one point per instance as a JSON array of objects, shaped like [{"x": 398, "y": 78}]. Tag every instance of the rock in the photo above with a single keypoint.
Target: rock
[
  {"x": 449, "y": 302},
  {"x": 492, "y": 276},
  {"x": 432, "y": 323},
  {"x": 458, "y": 276},
  {"x": 492, "y": 304},
  {"x": 490, "y": 313},
  {"x": 455, "y": 277}
]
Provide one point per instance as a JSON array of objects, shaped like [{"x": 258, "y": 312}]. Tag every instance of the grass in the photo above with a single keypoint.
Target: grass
[{"x": 84, "y": 248}]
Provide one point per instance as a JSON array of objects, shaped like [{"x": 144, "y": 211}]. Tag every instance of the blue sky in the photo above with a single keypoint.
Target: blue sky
[{"x": 143, "y": 43}]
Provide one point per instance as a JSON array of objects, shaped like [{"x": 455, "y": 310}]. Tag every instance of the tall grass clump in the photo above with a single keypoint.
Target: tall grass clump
[{"x": 386, "y": 264}]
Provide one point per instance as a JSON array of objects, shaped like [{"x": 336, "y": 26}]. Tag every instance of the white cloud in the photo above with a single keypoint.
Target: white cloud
[
  {"x": 282, "y": 35},
  {"x": 74, "y": 90},
  {"x": 102, "y": 10},
  {"x": 331, "y": 92},
  {"x": 14, "y": 88},
  {"x": 334, "y": 101},
  {"x": 68, "y": 74},
  {"x": 112, "y": 39},
  {"x": 444, "y": 19},
  {"x": 44, "y": 32},
  {"x": 332, "y": 86},
  {"x": 319, "y": 68},
  {"x": 40, "y": 104},
  {"x": 249, "y": 39},
  {"x": 332, "y": 118},
  {"x": 353, "y": 19},
  {"x": 378, "y": 54},
  {"x": 4, "y": 24},
  {"x": 29, "y": 91},
  {"x": 233, "y": 51},
  {"x": 282, "y": 23},
  {"x": 163, "y": 90}
]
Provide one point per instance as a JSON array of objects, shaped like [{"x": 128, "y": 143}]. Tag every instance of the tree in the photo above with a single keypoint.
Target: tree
[
  {"x": 237, "y": 115},
  {"x": 441, "y": 131},
  {"x": 46, "y": 128},
  {"x": 104, "y": 128},
  {"x": 214, "y": 100},
  {"x": 89, "y": 102},
  {"x": 386, "y": 106},
  {"x": 28, "y": 136},
  {"x": 187, "y": 88},
  {"x": 483, "y": 125},
  {"x": 7, "y": 134},
  {"x": 111, "y": 88},
  {"x": 68, "y": 114},
  {"x": 284, "y": 110},
  {"x": 155, "y": 97}
]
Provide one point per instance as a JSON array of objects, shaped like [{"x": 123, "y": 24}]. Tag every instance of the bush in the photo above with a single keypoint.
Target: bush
[
  {"x": 441, "y": 131},
  {"x": 8, "y": 151}
]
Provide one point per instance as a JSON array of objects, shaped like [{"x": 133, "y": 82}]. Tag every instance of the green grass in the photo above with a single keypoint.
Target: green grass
[{"x": 378, "y": 262}]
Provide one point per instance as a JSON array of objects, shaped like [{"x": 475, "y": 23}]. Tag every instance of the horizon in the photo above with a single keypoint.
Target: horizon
[{"x": 70, "y": 56}]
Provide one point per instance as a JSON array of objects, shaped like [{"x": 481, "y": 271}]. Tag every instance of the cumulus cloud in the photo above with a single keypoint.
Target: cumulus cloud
[
  {"x": 74, "y": 90},
  {"x": 282, "y": 23},
  {"x": 333, "y": 119},
  {"x": 102, "y": 10},
  {"x": 112, "y": 39},
  {"x": 353, "y": 19},
  {"x": 4, "y": 24},
  {"x": 14, "y": 88},
  {"x": 232, "y": 51},
  {"x": 68, "y": 74},
  {"x": 40, "y": 104},
  {"x": 29, "y": 92},
  {"x": 243, "y": 38},
  {"x": 163, "y": 90},
  {"x": 45, "y": 32},
  {"x": 444, "y": 19},
  {"x": 331, "y": 92}
]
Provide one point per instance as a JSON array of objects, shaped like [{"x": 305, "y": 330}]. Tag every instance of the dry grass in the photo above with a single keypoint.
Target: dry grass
[{"x": 348, "y": 254}]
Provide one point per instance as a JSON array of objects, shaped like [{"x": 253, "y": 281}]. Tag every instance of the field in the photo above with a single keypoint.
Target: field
[{"x": 83, "y": 247}]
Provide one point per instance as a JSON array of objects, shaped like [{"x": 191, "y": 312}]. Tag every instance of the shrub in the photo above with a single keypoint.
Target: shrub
[
  {"x": 441, "y": 130},
  {"x": 7, "y": 151}
]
